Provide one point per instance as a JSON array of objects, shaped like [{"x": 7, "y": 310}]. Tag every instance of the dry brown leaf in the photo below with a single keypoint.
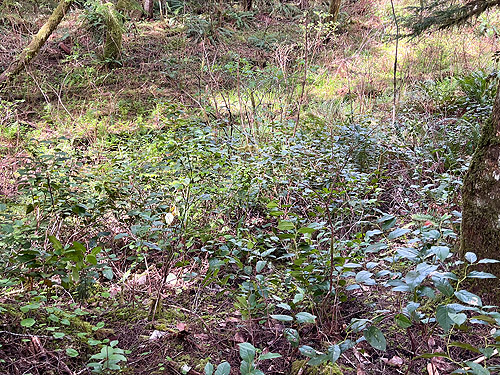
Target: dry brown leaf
[
  {"x": 181, "y": 326},
  {"x": 238, "y": 337}
]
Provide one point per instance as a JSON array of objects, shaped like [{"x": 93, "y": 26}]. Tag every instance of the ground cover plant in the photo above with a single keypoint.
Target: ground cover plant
[{"x": 242, "y": 188}]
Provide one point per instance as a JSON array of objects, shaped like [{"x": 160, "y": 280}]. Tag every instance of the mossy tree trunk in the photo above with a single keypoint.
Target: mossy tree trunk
[
  {"x": 481, "y": 200},
  {"x": 334, "y": 10},
  {"x": 36, "y": 43},
  {"x": 113, "y": 43}
]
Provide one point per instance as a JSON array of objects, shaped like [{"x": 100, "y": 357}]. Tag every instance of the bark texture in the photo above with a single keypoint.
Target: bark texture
[
  {"x": 481, "y": 201},
  {"x": 247, "y": 5},
  {"x": 36, "y": 43},
  {"x": 148, "y": 8},
  {"x": 113, "y": 43},
  {"x": 334, "y": 10}
]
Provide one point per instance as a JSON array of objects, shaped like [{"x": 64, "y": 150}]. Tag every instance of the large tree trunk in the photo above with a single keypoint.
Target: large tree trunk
[
  {"x": 148, "y": 8},
  {"x": 481, "y": 200},
  {"x": 113, "y": 43},
  {"x": 334, "y": 10},
  {"x": 37, "y": 42}
]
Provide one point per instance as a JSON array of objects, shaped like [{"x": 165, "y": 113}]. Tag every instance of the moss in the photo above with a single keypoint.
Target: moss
[
  {"x": 113, "y": 43},
  {"x": 301, "y": 367}
]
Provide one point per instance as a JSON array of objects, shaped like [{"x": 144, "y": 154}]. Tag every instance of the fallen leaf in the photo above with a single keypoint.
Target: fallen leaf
[
  {"x": 181, "y": 326},
  {"x": 238, "y": 337},
  {"x": 431, "y": 369}
]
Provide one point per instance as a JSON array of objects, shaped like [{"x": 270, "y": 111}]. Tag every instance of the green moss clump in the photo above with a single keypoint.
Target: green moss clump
[{"x": 301, "y": 367}]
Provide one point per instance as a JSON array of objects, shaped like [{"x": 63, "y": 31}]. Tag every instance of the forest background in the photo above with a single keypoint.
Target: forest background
[{"x": 256, "y": 187}]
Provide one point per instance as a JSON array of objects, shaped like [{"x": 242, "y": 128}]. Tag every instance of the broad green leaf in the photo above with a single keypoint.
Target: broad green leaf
[
  {"x": 308, "y": 351},
  {"x": 305, "y": 317},
  {"x": 91, "y": 259},
  {"x": 365, "y": 278},
  {"x": 398, "y": 233},
  {"x": 464, "y": 345},
  {"x": 260, "y": 265},
  {"x": 443, "y": 318},
  {"x": 285, "y": 225},
  {"x": 470, "y": 257},
  {"x": 318, "y": 360},
  {"x": 477, "y": 369},
  {"x": 223, "y": 369},
  {"x": 269, "y": 356},
  {"x": 247, "y": 351},
  {"x": 58, "y": 335},
  {"x": 28, "y": 322},
  {"x": 403, "y": 321},
  {"x": 480, "y": 275},
  {"x": 441, "y": 252},
  {"x": 107, "y": 273},
  {"x": 375, "y": 338},
  {"x": 458, "y": 319},
  {"x": 469, "y": 298},
  {"x": 71, "y": 352},
  {"x": 334, "y": 353},
  {"x": 209, "y": 369},
  {"x": 55, "y": 243},
  {"x": 282, "y": 318},
  {"x": 306, "y": 230}
]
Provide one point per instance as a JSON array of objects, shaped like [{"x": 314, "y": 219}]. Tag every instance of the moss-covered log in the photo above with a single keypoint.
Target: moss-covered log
[
  {"x": 481, "y": 200},
  {"x": 37, "y": 42}
]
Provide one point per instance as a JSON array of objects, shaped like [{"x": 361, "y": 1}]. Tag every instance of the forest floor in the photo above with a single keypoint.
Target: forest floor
[{"x": 238, "y": 191}]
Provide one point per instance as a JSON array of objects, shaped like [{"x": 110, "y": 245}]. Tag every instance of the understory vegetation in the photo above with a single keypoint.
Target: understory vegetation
[{"x": 235, "y": 196}]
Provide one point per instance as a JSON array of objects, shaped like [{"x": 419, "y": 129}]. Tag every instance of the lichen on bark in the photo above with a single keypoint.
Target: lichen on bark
[
  {"x": 481, "y": 201},
  {"x": 113, "y": 43}
]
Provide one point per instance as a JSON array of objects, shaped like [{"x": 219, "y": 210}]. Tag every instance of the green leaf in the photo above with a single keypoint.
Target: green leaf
[
  {"x": 306, "y": 230},
  {"x": 286, "y": 225},
  {"x": 91, "y": 259},
  {"x": 398, "y": 233},
  {"x": 292, "y": 336},
  {"x": 477, "y": 369},
  {"x": 28, "y": 322},
  {"x": 107, "y": 273},
  {"x": 282, "y": 318},
  {"x": 269, "y": 356},
  {"x": 403, "y": 321},
  {"x": 443, "y": 318},
  {"x": 71, "y": 352},
  {"x": 209, "y": 369},
  {"x": 318, "y": 360},
  {"x": 305, "y": 317},
  {"x": 458, "y": 319},
  {"x": 375, "y": 338},
  {"x": 365, "y": 278},
  {"x": 308, "y": 351},
  {"x": 260, "y": 265},
  {"x": 223, "y": 369},
  {"x": 465, "y": 346},
  {"x": 247, "y": 351},
  {"x": 441, "y": 252},
  {"x": 55, "y": 243},
  {"x": 469, "y": 298},
  {"x": 58, "y": 335},
  {"x": 480, "y": 275},
  {"x": 334, "y": 353},
  {"x": 470, "y": 257}
]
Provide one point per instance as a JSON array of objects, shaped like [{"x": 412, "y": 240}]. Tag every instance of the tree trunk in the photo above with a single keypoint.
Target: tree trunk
[
  {"x": 247, "y": 5},
  {"x": 148, "y": 8},
  {"x": 36, "y": 43},
  {"x": 113, "y": 43},
  {"x": 481, "y": 201},
  {"x": 334, "y": 10}
]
